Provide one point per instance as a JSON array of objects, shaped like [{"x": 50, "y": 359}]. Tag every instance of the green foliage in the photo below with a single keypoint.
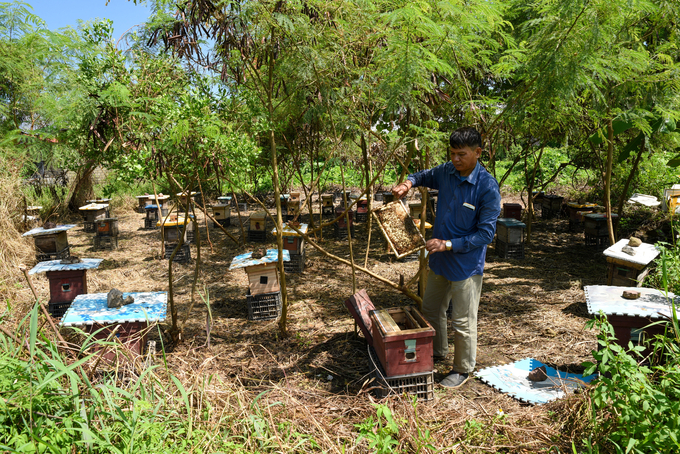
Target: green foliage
[
  {"x": 635, "y": 407},
  {"x": 380, "y": 432}
]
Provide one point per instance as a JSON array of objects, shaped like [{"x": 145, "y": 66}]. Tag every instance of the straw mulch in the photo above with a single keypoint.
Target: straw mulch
[{"x": 320, "y": 372}]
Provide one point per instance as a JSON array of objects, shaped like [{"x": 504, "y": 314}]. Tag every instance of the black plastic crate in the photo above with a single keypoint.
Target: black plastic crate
[
  {"x": 547, "y": 213},
  {"x": 57, "y": 310},
  {"x": 105, "y": 242},
  {"x": 191, "y": 235},
  {"x": 257, "y": 236},
  {"x": 89, "y": 227},
  {"x": 420, "y": 385},
  {"x": 264, "y": 307},
  {"x": 45, "y": 256},
  {"x": 182, "y": 256},
  {"x": 151, "y": 224},
  {"x": 509, "y": 251},
  {"x": 223, "y": 222},
  {"x": 296, "y": 264},
  {"x": 341, "y": 232},
  {"x": 600, "y": 241}
]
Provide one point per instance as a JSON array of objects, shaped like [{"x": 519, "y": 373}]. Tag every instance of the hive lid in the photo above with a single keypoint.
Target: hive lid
[
  {"x": 644, "y": 253},
  {"x": 91, "y": 308},
  {"x": 179, "y": 222},
  {"x": 145, "y": 196},
  {"x": 106, "y": 201},
  {"x": 245, "y": 260},
  {"x": 184, "y": 194},
  {"x": 288, "y": 231},
  {"x": 511, "y": 222},
  {"x": 56, "y": 265},
  {"x": 608, "y": 299},
  {"x": 220, "y": 205},
  {"x": 600, "y": 216},
  {"x": 360, "y": 305},
  {"x": 38, "y": 231},
  {"x": 151, "y": 207},
  {"x": 93, "y": 207}
]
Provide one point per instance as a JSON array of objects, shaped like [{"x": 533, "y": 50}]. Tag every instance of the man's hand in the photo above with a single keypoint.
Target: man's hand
[
  {"x": 401, "y": 189},
  {"x": 435, "y": 245}
]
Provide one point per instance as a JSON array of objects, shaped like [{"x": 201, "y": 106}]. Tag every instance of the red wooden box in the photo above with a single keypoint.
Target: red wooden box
[
  {"x": 402, "y": 338},
  {"x": 132, "y": 335},
  {"x": 632, "y": 328},
  {"x": 512, "y": 210},
  {"x": 342, "y": 222},
  {"x": 294, "y": 244},
  {"x": 66, "y": 285}
]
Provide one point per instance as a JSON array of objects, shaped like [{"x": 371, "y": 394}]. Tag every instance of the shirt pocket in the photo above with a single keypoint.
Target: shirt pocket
[{"x": 465, "y": 218}]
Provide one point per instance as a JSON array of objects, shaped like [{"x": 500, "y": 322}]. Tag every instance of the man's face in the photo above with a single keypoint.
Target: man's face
[{"x": 465, "y": 159}]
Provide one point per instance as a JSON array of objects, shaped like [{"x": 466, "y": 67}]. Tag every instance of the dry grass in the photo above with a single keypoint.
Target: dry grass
[{"x": 318, "y": 377}]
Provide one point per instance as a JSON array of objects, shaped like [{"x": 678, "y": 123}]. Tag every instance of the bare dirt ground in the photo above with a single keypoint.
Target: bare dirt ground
[{"x": 533, "y": 307}]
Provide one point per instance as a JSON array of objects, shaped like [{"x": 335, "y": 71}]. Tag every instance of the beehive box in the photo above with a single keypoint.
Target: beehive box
[
  {"x": 263, "y": 278},
  {"x": 107, "y": 227},
  {"x": 51, "y": 243},
  {"x": 342, "y": 222},
  {"x": 327, "y": 200},
  {"x": 402, "y": 235},
  {"x": 510, "y": 230},
  {"x": 416, "y": 208},
  {"x": 292, "y": 241},
  {"x": 172, "y": 229},
  {"x": 362, "y": 205},
  {"x": 402, "y": 338},
  {"x": 221, "y": 211},
  {"x": 595, "y": 224},
  {"x": 628, "y": 270},
  {"x": 66, "y": 285},
  {"x": 512, "y": 210},
  {"x": 258, "y": 221}
]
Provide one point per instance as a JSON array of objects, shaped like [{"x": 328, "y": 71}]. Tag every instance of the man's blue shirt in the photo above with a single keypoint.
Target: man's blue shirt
[{"x": 467, "y": 209}]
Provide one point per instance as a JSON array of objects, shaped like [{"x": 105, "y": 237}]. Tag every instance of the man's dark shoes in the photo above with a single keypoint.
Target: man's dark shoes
[{"x": 454, "y": 380}]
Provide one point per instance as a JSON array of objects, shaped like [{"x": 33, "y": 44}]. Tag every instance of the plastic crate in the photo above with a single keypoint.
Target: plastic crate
[
  {"x": 182, "y": 256},
  {"x": 150, "y": 224},
  {"x": 45, "y": 256},
  {"x": 89, "y": 227},
  {"x": 105, "y": 242},
  {"x": 223, "y": 222},
  {"x": 420, "y": 385},
  {"x": 361, "y": 217},
  {"x": 341, "y": 232},
  {"x": 600, "y": 241},
  {"x": 257, "y": 236},
  {"x": 296, "y": 264},
  {"x": 57, "y": 310},
  {"x": 509, "y": 251},
  {"x": 266, "y": 306}
]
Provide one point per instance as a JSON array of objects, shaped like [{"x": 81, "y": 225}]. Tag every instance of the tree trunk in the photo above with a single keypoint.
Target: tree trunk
[{"x": 608, "y": 180}]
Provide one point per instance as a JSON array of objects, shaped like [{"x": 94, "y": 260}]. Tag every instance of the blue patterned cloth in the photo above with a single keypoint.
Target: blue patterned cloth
[
  {"x": 244, "y": 260},
  {"x": 512, "y": 379},
  {"x": 92, "y": 308},
  {"x": 41, "y": 231},
  {"x": 56, "y": 265}
]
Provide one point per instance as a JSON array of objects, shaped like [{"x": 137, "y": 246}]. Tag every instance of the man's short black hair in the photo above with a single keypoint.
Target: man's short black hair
[{"x": 465, "y": 137}]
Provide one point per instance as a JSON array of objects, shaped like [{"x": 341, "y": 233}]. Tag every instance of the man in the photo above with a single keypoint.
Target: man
[{"x": 468, "y": 206}]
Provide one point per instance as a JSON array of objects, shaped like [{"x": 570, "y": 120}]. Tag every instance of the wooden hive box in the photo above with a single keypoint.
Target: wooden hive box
[
  {"x": 327, "y": 200},
  {"x": 342, "y": 222},
  {"x": 512, "y": 210},
  {"x": 258, "y": 221},
  {"x": 54, "y": 242},
  {"x": 221, "y": 211},
  {"x": 107, "y": 227},
  {"x": 66, "y": 285},
  {"x": 362, "y": 205},
  {"x": 402, "y": 338},
  {"x": 510, "y": 230},
  {"x": 263, "y": 278},
  {"x": 416, "y": 208}
]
